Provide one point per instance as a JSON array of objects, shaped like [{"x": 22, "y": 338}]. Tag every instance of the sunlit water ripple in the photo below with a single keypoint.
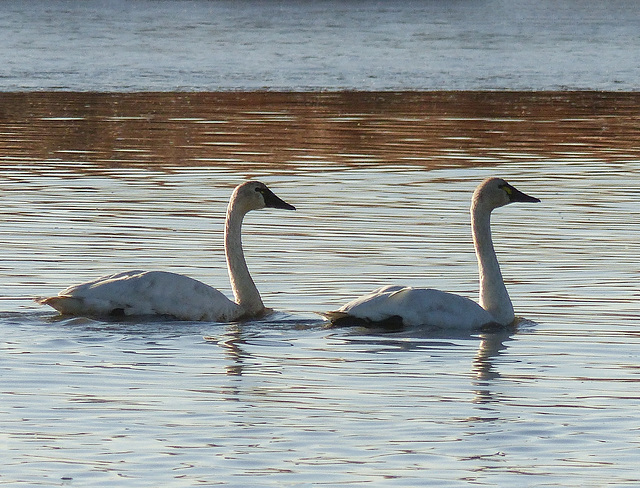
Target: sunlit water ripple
[{"x": 92, "y": 183}]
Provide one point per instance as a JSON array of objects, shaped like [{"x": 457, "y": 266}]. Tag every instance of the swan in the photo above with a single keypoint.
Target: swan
[
  {"x": 399, "y": 306},
  {"x": 162, "y": 293}
]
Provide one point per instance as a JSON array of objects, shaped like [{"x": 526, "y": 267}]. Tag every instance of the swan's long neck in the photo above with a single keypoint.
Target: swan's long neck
[
  {"x": 494, "y": 297},
  {"x": 244, "y": 289}
]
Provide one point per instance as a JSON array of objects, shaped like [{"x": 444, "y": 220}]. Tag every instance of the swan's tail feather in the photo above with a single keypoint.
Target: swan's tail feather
[{"x": 64, "y": 304}]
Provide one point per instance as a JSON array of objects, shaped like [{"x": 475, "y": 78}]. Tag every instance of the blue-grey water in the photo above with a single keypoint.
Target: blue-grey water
[
  {"x": 115, "y": 177},
  {"x": 168, "y": 45}
]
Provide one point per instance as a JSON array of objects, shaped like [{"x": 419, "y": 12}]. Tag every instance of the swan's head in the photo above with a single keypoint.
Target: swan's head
[
  {"x": 495, "y": 192},
  {"x": 254, "y": 195}
]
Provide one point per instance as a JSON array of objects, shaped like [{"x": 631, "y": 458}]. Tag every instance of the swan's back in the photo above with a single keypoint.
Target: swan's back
[
  {"x": 417, "y": 307},
  {"x": 142, "y": 293}
]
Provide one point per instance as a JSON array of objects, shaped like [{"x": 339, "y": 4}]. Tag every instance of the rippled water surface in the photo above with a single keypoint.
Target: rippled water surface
[
  {"x": 204, "y": 45},
  {"x": 93, "y": 183}
]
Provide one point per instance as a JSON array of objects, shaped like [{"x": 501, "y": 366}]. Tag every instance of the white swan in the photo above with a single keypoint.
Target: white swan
[
  {"x": 397, "y": 306},
  {"x": 169, "y": 294}
]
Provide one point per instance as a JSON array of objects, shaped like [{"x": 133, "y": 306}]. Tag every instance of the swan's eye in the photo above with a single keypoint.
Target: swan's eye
[
  {"x": 260, "y": 190},
  {"x": 507, "y": 188}
]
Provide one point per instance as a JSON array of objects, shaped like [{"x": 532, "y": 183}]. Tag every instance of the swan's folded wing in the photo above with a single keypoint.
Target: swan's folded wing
[
  {"x": 146, "y": 293},
  {"x": 418, "y": 307}
]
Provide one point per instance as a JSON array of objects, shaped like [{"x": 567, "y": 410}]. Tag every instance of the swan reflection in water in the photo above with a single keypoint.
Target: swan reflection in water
[
  {"x": 232, "y": 341},
  {"x": 492, "y": 345},
  {"x": 240, "y": 340}
]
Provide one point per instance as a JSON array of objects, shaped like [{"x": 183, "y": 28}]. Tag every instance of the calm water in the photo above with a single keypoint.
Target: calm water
[
  {"x": 167, "y": 45},
  {"x": 92, "y": 183}
]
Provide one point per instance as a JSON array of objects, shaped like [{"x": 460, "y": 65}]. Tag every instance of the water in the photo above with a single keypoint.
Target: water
[
  {"x": 168, "y": 45},
  {"x": 94, "y": 183}
]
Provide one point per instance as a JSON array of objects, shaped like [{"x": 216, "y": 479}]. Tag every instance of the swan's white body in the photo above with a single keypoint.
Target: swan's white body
[
  {"x": 143, "y": 293},
  {"x": 139, "y": 293},
  {"x": 416, "y": 307},
  {"x": 411, "y": 307}
]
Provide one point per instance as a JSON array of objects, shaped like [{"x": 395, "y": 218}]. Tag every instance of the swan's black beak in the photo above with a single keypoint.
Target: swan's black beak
[
  {"x": 272, "y": 200},
  {"x": 516, "y": 195}
]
